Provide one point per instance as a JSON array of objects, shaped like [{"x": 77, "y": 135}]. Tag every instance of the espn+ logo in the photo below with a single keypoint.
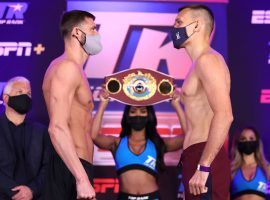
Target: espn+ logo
[{"x": 20, "y": 48}]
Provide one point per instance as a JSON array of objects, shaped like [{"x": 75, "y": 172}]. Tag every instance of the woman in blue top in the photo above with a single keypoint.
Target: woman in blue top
[
  {"x": 139, "y": 151},
  {"x": 250, "y": 170}
]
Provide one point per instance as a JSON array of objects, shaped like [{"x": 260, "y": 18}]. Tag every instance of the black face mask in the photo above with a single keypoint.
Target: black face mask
[
  {"x": 137, "y": 123},
  {"x": 247, "y": 147},
  {"x": 20, "y": 103},
  {"x": 179, "y": 36}
]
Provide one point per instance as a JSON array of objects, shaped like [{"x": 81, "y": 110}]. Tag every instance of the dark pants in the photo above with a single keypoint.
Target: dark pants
[
  {"x": 218, "y": 182},
  {"x": 60, "y": 183}
]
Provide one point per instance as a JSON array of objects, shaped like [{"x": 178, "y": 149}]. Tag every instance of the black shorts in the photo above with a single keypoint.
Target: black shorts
[
  {"x": 60, "y": 184},
  {"x": 149, "y": 196}
]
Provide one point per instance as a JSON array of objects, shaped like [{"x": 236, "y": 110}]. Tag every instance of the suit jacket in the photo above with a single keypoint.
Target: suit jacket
[
  {"x": 2, "y": 109},
  {"x": 37, "y": 151}
]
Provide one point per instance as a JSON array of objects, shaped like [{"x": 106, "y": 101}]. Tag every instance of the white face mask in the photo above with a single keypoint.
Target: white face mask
[{"x": 92, "y": 44}]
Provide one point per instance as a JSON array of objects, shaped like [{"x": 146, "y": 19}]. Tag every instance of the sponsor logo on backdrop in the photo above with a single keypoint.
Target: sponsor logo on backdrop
[
  {"x": 151, "y": 39},
  {"x": 20, "y": 49},
  {"x": 105, "y": 185},
  {"x": 265, "y": 96},
  {"x": 260, "y": 17},
  {"x": 12, "y": 12}
]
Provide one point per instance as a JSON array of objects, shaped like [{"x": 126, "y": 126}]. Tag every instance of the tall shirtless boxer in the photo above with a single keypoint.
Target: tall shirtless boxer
[
  {"x": 70, "y": 104},
  {"x": 207, "y": 113}
]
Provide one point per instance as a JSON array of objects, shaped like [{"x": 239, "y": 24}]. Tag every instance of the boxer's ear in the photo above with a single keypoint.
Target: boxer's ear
[
  {"x": 197, "y": 27},
  {"x": 75, "y": 31}
]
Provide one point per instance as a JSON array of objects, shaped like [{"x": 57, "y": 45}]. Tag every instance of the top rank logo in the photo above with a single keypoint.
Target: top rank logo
[{"x": 12, "y": 12}]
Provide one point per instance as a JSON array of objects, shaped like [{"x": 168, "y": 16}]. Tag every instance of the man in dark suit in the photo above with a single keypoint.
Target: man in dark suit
[
  {"x": 1, "y": 108},
  {"x": 24, "y": 146}
]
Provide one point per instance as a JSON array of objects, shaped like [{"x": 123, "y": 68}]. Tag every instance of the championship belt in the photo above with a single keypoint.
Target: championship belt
[{"x": 139, "y": 87}]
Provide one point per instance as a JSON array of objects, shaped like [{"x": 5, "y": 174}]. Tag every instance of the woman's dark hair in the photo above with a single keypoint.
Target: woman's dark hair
[{"x": 151, "y": 133}]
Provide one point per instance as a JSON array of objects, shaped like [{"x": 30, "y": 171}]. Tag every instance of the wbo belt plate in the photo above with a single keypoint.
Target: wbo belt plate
[{"x": 139, "y": 87}]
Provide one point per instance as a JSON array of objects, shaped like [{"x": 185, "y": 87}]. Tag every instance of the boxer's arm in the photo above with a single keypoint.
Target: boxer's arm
[
  {"x": 64, "y": 83},
  {"x": 214, "y": 76}
]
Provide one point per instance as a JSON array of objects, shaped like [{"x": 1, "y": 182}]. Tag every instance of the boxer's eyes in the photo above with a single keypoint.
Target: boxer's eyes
[
  {"x": 178, "y": 22},
  {"x": 93, "y": 28}
]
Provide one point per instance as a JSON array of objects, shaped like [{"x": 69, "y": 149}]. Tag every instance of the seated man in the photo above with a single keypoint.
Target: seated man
[{"x": 24, "y": 146}]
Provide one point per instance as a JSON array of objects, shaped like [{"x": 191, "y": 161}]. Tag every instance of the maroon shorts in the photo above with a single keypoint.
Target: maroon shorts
[{"x": 218, "y": 182}]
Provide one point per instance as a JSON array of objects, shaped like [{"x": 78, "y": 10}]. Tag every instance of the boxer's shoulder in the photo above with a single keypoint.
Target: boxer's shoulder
[
  {"x": 210, "y": 63},
  {"x": 207, "y": 58},
  {"x": 65, "y": 68}
]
